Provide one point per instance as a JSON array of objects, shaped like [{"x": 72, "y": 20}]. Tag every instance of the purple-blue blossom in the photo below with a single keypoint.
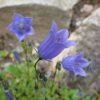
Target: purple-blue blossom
[
  {"x": 16, "y": 55},
  {"x": 21, "y": 26},
  {"x": 76, "y": 64},
  {"x": 55, "y": 42},
  {"x": 8, "y": 95},
  {"x": 7, "y": 92}
]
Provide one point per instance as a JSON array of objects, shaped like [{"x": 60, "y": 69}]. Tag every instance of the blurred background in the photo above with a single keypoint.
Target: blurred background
[{"x": 81, "y": 17}]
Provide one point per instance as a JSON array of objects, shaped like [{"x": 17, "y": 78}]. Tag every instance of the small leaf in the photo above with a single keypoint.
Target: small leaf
[
  {"x": 3, "y": 53},
  {"x": 13, "y": 70}
]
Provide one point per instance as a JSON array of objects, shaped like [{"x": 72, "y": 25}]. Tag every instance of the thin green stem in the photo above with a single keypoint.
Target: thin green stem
[
  {"x": 26, "y": 58},
  {"x": 55, "y": 73},
  {"x": 54, "y": 78},
  {"x": 36, "y": 64},
  {"x": 25, "y": 48},
  {"x": 36, "y": 72}
]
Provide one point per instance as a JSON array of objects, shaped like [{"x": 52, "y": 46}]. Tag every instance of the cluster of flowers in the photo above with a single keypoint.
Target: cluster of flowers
[{"x": 54, "y": 43}]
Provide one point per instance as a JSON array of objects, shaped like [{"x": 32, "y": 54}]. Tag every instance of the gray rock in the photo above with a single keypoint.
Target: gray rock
[
  {"x": 87, "y": 37},
  {"x": 87, "y": 9},
  {"x": 62, "y": 4}
]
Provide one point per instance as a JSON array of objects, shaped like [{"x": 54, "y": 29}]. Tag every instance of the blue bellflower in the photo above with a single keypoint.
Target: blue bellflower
[
  {"x": 76, "y": 64},
  {"x": 8, "y": 95},
  {"x": 16, "y": 55},
  {"x": 21, "y": 26},
  {"x": 54, "y": 43}
]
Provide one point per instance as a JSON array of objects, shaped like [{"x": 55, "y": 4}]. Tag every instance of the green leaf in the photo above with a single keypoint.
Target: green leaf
[
  {"x": 13, "y": 70},
  {"x": 3, "y": 53}
]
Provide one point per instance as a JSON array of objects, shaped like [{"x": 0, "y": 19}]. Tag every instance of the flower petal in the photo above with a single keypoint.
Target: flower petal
[
  {"x": 17, "y": 16},
  {"x": 10, "y": 27},
  {"x": 20, "y": 37},
  {"x": 53, "y": 51},
  {"x": 28, "y": 20},
  {"x": 61, "y": 36},
  {"x": 49, "y": 50},
  {"x": 69, "y": 43},
  {"x": 80, "y": 55},
  {"x": 68, "y": 63},
  {"x": 45, "y": 44},
  {"x": 54, "y": 28},
  {"x": 31, "y": 32},
  {"x": 80, "y": 71},
  {"x": 84, "y": 63}
]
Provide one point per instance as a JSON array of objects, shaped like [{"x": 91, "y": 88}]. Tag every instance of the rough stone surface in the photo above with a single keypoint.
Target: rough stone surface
[
  {"x": 87, "y": 8},
  {"x": 62, "y": 4},
  {"x": 87, "y": 37}
]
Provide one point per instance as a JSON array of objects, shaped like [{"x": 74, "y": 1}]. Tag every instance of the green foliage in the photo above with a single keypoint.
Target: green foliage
[
  {"x": 2, "y": 96},
  {"x": 24, "y": 81},
  {"x": 3, "y": 53},
  {"x": 23, "y": 85}
]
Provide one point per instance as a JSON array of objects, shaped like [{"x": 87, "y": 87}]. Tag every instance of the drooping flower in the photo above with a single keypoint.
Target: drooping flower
[
  {"x": 16, "y": 55},
  {"x": 54, "y": 43},
  {"x": 8, "y": 95},
  {"x": 76, "y": 64},
  {"x": 21, "y": 26}
]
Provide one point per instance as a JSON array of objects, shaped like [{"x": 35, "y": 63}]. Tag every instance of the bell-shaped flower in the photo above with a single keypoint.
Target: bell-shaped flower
[
  {"x": 54, "y": 43},
  {"x": 8, "y": 95},
  {"x": 76, "y": 64},
  {"x": 21, "y": 26},
  {"x": 16, "y": 55}
]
